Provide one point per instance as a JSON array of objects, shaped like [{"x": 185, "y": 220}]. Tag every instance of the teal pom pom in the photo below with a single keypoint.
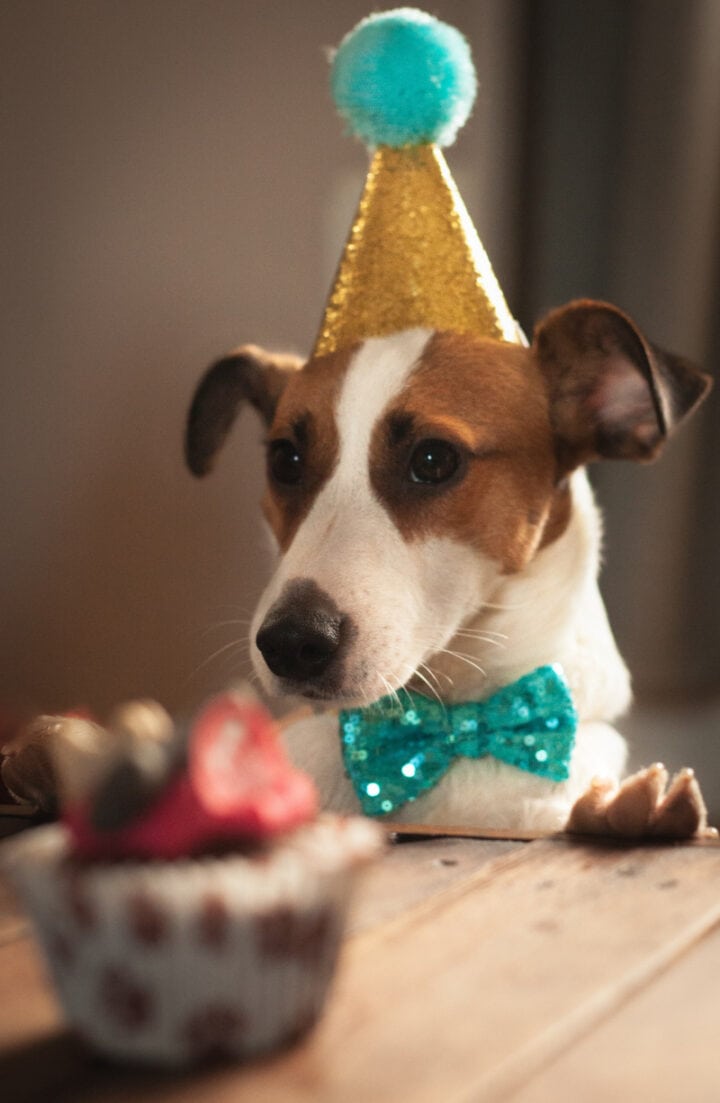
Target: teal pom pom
[{"x": 404, "y": 78}]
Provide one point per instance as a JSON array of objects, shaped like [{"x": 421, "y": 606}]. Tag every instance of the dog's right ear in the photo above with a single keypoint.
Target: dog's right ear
[{"x": 248, "y": 375}]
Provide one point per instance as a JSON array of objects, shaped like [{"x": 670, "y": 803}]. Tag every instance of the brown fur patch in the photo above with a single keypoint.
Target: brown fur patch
[
  {"x": 247, "y": 375},
  {"x": 306, "y": 416},
  {"x": 614, "y": 395},
  {"x": 490, "y": 401}
]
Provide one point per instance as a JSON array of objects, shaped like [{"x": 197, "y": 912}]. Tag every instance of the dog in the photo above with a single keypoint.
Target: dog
[{"x": 437, "y": 532}]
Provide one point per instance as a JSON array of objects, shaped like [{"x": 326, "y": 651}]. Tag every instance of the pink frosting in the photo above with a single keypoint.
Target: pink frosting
[{"x": 239, "y": 786}]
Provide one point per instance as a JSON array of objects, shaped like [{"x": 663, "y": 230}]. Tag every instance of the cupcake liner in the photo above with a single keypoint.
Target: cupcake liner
[{"x": 171, "y": 962}]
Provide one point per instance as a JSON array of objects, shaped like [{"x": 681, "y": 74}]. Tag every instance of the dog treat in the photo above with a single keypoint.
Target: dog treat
[
  {"x": 32, "y": 758},
  {"x": 26, "y": 766},
  {"x": 191, "y": 903}
]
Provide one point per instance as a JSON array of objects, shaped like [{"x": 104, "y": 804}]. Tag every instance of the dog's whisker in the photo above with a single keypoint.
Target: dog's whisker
[
  {"x": 392, "y": 691},
  {"x": 440, "y": 673},
  {"x": 401, "y": 685},
  {"x": 385, "y": 682},
  {"x": 242, "y": 623},
  {"x": 436, "y": 677},
  {"x": 464, "y": 658},
  {"x": 233, "y": 664},
  {"x": 216, "y": 655},
  {"x": 483, "y": 639},
  {"x": 418, "y": 674},
  {"x": 431, "y": 687},
  {"x": 241, "y": 659},
  {"x": 482, "y": 633},
  {"x": 462, "y": 654},
  {"x": 253, "y": 679},
  {"x": 488, "y": 636},
  {"x": 504, "y": 607},
  {"x": 433, "y": 673}
]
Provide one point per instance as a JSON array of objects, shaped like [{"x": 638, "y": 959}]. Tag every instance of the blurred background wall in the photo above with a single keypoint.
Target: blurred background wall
[{"x": 175, "y": 182}]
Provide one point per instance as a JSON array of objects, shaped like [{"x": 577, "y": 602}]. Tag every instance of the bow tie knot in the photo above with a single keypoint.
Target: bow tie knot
[{"x": 396, "y": 750}]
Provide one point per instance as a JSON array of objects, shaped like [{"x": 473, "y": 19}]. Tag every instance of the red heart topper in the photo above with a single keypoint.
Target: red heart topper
[
  {"x": 238, "y": 786},
  {"x": 238, "y": 767}
]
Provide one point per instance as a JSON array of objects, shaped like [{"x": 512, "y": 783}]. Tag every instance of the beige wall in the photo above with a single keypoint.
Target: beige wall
[{"x": 174, "y": 182}]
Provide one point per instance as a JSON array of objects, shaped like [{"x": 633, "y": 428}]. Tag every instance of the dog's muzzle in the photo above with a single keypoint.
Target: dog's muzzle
[{"x": 303, "y": 638}]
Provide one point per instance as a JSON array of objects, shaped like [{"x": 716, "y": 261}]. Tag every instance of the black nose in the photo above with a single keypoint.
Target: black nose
[{"x": 300, "y": 638}]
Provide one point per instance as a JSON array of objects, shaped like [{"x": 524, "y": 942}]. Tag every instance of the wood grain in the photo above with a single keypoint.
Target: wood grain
[
  {"x": 434, "y": 831},
  {"x": 626, "y": 1057},
  {"x": 412, "y": 873},
  {"x": 467, "y": 1000},
  {"x": 38, "y": 1059},
  {"x": 27, "y": 1008},
  {"x": 13, "y": 923},
  {"x": 468, "y": 990}
]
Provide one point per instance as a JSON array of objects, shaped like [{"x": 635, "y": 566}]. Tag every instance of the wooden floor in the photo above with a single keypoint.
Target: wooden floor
[{"x": 475, "y": 969}]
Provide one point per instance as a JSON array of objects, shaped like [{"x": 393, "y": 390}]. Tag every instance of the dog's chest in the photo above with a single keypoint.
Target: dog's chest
[{"x": 484, "y": 793}]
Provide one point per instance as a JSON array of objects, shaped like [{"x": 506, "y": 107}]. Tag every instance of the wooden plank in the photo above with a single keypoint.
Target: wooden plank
[
  {"x": 661, "y": 1045},
  {"x": 13, "y": 923},
  {"x": 12, "y": 929},
  {"x": 37, "y": 1057},
  {"x": 27, "y": 1007},
  {"x": 412, "y": 873},
  {"x": 465, "y": 1001},
  {"x": 409, "y": 873},
  {"x": 462, "y": 997},
  {"x": 434, "y": 831}
]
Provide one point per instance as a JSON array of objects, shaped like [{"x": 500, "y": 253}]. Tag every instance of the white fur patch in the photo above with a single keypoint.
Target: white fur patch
[
  {"x": 441, "y": 603},
  {"x": 403, "y": 599},
  {"x": 377, "y": 374}
]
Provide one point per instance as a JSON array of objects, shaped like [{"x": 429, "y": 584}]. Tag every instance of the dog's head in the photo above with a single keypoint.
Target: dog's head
[{"x": 410, "y": 474}]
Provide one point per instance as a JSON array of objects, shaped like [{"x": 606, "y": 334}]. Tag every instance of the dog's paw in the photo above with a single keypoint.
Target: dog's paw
[{"x": 643, "y": 807}]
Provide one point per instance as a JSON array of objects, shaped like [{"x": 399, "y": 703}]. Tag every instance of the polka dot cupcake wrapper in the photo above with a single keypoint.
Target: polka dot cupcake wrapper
[{"x": 175, "y": 962}]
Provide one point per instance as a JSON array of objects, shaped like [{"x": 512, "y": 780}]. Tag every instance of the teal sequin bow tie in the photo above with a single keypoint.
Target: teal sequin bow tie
[{"x": 396, "y": 750}]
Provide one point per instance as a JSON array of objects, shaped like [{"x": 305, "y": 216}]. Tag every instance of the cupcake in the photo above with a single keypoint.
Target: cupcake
[{"x": 191, "y": 902}]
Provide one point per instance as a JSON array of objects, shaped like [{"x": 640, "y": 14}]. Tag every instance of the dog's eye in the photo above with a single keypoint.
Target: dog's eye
[
  {"x": 284, "y": 462},
  {"x": 433, "y": 461}
]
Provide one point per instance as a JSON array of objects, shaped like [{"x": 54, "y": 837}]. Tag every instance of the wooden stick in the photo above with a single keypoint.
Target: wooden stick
[
  {"x": 436, "y": 831},
  {"x": 406, "y": 831}
]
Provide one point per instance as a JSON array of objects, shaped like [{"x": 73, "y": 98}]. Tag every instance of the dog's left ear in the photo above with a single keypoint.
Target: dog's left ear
[
  {"x": 612, "y": 394},
  {"x": 247, "y": 375}
]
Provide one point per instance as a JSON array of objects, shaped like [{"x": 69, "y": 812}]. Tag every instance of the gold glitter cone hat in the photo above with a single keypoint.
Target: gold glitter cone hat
[{"x": 405, "y": 83}]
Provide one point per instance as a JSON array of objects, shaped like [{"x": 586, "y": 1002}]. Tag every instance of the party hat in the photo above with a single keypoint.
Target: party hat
[{"x": 405, "y": 83}]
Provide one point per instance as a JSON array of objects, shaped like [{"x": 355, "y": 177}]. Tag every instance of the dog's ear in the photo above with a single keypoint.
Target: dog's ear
[
  {"x": 247, "y": 375},
  {"x": 612, "y": 394}
]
